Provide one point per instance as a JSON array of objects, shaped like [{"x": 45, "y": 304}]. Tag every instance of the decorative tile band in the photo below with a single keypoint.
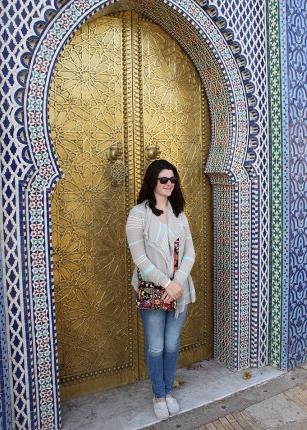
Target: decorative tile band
[
  {"x": 249, "y": 30},
  {"x": 223, "y": 277},
  {"x": 286, "y": 177},
  {"x": 276, "y": 190},
  {"x": 294, "y": 76},
  {"x": 5, "y": 412}
]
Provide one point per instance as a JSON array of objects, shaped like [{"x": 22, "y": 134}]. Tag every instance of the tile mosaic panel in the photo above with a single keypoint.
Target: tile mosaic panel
[
  {"x": 285, "y": 185},
  {"x": 294, "y": 78},
  {"x": 5, "y": 412},
  {"x": 276, "y": 190},
  {"x": 288, "y": 183},
  {"x": 247, "y": 20},
  {"x": 223, "y": 295},
  {"x": 17, "y": 19}
]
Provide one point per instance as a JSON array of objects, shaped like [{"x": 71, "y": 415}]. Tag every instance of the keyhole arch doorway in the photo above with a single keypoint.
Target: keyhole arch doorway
[
  {"x": 121, "y": 79},
  {"x": 219, "y": 65}
]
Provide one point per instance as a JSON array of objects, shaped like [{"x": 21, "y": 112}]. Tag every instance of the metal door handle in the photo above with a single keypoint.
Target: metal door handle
[
  {"x": 152, "y": 152},
  {"x": 117, "y": 168},
  {"x": 114, "y": 152}
]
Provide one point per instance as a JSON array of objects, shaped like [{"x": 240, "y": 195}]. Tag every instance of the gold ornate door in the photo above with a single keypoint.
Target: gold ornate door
[{"x": 123, "y": 93}]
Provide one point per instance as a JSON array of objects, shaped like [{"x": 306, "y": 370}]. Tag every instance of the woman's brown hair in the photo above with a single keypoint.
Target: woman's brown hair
[{"x": 149, "y": 183}]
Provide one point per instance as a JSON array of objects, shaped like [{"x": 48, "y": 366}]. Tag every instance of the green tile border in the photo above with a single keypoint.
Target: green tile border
[{"x": 276, "y": 181}]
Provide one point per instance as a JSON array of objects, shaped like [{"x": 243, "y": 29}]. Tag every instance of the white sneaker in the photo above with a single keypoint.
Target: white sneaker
[
  {"x": 160, "y": 408},
  {"x": 172, "y": 404}
]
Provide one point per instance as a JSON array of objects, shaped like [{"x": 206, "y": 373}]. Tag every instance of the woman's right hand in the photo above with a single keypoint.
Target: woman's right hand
[{"x": 172, "y": 292}]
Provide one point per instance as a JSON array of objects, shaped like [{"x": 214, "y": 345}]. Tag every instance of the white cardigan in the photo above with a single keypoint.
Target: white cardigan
[{"x": 150, "y": 245}]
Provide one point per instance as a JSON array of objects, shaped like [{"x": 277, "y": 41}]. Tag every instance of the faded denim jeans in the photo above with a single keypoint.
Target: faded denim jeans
[{"x": 162, "y": 339}]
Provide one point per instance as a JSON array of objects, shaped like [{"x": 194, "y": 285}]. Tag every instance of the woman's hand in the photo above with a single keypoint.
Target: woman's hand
[{"x": 172, "y": 292}]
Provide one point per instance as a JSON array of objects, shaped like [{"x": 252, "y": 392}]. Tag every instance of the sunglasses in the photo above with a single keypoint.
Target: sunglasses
[{"x": 164, "y": 180}]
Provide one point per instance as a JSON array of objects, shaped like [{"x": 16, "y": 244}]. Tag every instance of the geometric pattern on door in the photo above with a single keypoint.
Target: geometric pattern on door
[{"x": 117, "y": 100}]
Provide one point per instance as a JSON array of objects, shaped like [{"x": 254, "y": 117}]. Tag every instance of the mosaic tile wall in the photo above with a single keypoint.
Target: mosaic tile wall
[
  {"x": 28, "y": 295},
  {"x": 293, "y": 14},
  {"x": 276, "y": 189},
  {"x": 5, "y": 418},
  {"x": 17, "y": 19},
  {"x": 248, "y": 23}
]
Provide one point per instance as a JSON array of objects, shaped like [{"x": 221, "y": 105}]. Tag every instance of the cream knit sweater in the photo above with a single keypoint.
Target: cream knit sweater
[{"x": 152, "y": 246}]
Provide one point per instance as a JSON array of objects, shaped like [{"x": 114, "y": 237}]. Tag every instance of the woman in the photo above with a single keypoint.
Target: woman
[{"x": 153, "y": 227}]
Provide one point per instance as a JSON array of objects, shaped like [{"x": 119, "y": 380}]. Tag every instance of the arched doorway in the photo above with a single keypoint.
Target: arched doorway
[
  {"x": 123, "y": 93},
  {"x": 221, "y": 66}
]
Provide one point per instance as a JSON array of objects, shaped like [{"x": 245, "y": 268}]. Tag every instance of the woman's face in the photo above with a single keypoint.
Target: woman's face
[{"x": 164, "y": 190}]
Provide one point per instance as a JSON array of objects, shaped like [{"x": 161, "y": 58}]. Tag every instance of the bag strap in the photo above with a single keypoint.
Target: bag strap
[{"x": 176, "y": 255}]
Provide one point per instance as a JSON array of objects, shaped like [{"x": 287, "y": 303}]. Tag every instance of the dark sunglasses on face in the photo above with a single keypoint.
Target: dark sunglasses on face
[{"x": 164, "y": 180}]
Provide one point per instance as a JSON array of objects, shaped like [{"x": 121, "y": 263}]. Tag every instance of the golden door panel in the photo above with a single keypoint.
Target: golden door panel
[
  {"x": 176, "y": 123},
  {"x": 95, "y": 323},
  {"x": 123, "y": 90}
]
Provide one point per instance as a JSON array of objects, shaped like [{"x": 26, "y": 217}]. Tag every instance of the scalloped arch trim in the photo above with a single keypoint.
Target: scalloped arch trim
[{"x": 205, "y": 38}]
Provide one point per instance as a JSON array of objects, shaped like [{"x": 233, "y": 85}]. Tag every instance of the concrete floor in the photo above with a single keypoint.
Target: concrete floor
[
  {"x": 130, "y": 407},
  {"x": 278, "y": 404}
]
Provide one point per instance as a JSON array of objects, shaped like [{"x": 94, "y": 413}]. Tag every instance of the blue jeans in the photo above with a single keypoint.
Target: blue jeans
[{"x": 162, "y": 338}]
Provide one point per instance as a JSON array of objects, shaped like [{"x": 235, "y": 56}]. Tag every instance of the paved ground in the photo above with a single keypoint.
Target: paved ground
[
  {"x": 280, "y": 404},
  {"x": 130, "y": 407}
]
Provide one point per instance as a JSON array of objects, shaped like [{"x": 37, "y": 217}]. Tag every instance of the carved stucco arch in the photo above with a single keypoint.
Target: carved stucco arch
[{"x": 227, "y": 89}]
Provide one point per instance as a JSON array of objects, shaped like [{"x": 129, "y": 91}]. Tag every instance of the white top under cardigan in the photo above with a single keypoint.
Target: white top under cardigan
[{"x": 152, "y": 248}]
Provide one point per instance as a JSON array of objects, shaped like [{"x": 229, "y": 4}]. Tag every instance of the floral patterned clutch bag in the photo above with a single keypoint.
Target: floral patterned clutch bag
[{"x": 149, "y": 295}]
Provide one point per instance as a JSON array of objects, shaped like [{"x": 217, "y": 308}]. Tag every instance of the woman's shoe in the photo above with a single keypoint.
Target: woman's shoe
[
  {"x": 172, "y": 404},
  {"x": 160, "y": 408}
]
